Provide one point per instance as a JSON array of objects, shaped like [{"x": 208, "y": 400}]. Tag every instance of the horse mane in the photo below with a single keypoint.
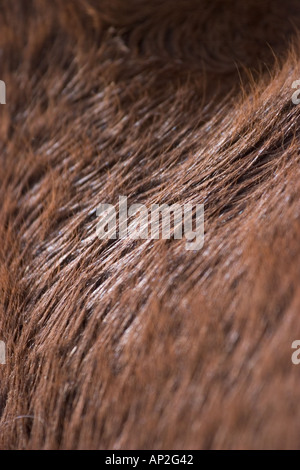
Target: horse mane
[{"x": 141, "y": 344}]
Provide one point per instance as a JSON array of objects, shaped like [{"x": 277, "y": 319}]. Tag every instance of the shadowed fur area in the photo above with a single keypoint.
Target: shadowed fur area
[{"x": 140, "y": 344}]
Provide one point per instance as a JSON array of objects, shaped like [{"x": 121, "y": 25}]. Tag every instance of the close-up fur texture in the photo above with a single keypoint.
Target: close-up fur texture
[{"x": 141, "y": 344}]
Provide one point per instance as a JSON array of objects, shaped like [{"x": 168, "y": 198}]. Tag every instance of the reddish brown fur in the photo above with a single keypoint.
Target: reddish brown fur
[{"x": 130, "y": 345}]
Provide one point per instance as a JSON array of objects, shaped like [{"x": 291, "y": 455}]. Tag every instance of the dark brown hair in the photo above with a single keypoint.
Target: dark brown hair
[{"x": 127, "y": 344}]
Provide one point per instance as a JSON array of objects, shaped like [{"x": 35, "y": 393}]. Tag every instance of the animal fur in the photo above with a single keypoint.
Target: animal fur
[{"x": 123, "y": 344}]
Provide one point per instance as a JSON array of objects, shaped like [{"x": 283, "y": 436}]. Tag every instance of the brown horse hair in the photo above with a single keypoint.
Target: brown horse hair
[{"x": 141, "y": 344}]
